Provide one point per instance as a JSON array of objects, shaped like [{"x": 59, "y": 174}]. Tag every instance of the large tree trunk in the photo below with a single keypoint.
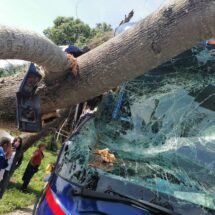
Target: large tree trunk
[
  {"x": 176, "y": 27},
  {"x": 24, "y": 45}
]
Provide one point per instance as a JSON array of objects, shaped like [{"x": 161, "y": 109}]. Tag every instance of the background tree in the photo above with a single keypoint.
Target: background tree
[
  {"x": 67, "y": 30},
  {"x": 100, "y": 29}
]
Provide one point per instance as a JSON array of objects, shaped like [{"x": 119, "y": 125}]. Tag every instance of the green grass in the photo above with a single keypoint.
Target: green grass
[{"x": 13, "y": 197}]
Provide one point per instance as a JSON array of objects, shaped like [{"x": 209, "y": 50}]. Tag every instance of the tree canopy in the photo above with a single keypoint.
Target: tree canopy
[{"x": 68, "y": 30}]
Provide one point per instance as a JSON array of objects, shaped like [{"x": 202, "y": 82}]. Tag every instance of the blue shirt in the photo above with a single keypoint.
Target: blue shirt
[
  {"x": 1, "y": 152},
  {"x": 3, "y": 160}
]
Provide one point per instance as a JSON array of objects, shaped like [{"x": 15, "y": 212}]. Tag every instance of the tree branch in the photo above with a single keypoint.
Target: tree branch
[
  {"x": 176, "y": 27},
  {"x": 29, "y": 140}
]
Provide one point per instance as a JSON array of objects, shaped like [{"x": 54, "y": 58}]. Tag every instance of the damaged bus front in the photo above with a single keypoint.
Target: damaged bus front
[{"x": 155, "y": 156}]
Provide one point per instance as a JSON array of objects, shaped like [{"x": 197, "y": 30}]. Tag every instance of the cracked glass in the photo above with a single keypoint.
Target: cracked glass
[{"x": 158, "y": 132}]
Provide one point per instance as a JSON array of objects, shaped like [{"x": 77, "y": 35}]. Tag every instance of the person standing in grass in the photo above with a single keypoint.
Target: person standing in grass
[
  {"x": 32, "y": 166},
  {"x": 14, "y": 162},
  {"x": 5, "y": 154}
]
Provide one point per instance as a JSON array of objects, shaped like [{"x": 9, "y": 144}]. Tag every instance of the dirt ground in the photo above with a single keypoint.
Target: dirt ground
[{"x": 23, "y": 211}]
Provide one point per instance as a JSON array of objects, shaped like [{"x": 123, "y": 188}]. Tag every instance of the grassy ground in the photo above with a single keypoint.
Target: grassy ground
[{"x": 14, "y": 198}]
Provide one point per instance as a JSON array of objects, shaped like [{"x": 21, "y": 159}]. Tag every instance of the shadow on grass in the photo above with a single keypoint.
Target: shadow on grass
[
  {"x": 26, "y": 210},
  {"x": 18, "y": 186}
]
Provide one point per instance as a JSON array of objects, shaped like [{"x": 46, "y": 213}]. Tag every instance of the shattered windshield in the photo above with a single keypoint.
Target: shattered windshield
[{"x": 157, "y": 131}]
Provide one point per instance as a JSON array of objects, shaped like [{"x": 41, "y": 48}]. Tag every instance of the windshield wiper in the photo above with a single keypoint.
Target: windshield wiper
[{"x": 155, "y": 209}]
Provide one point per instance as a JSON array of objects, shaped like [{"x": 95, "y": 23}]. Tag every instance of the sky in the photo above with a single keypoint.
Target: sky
[{"x": 37, "y": 15}]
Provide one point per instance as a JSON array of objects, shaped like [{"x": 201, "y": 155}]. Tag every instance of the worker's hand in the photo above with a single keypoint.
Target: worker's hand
[{"x": 74, "y": 65}]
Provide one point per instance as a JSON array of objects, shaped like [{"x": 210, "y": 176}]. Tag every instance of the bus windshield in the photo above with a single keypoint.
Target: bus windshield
[{"x": 157, "y": 131}]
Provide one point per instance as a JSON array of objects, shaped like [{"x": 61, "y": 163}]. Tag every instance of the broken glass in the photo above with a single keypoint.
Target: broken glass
[{"x": 162, "y": 134}]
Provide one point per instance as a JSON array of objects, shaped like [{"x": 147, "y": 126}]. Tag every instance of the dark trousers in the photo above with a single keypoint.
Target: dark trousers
[
  {"x": 4, "y": 183},
  {"x": 29, "y": 173},
  {"x": 7, "y": 174}
]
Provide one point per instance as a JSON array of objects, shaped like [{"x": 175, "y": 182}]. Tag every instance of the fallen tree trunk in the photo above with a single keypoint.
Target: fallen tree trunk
[
  {"x": 176, "y": 27},
  {"x": 25, "y": 45}
]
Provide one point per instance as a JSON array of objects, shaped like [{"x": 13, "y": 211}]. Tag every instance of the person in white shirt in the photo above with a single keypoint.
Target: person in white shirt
[{"x": 14, "y": 161}]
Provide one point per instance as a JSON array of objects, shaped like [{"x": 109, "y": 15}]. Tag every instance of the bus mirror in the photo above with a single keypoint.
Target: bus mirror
[{"x": 28, "y": 104}]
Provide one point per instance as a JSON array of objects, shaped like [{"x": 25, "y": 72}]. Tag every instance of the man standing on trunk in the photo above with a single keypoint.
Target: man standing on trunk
[{"x": 33, "y": 166}]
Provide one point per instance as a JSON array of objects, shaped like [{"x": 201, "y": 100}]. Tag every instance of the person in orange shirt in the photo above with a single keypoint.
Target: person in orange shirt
[{"x": 33, "y": 166}]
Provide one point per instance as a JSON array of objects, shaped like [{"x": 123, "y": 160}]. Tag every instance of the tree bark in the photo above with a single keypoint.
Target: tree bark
[
  {"x": 176, "y": 27},
  {"x": 30, "y": 46}
]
